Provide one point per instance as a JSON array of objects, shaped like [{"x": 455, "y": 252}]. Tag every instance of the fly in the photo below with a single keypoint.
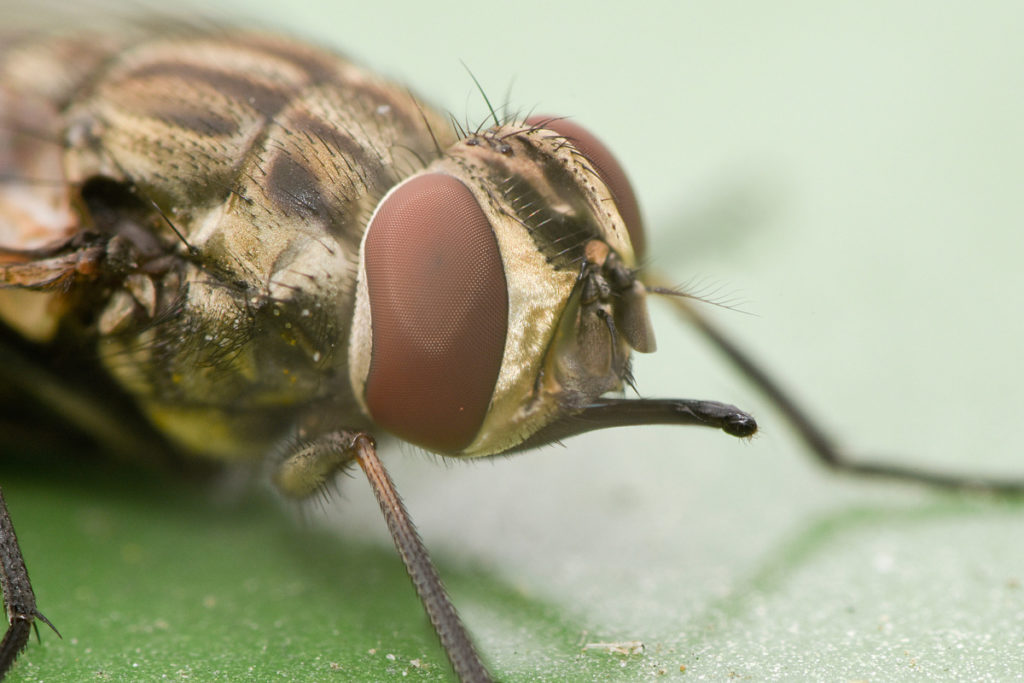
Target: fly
[{"x": 244, "y": 241}]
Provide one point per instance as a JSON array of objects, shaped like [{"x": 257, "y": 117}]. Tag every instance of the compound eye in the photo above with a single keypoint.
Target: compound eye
[
  {"x": 608, "y": 167},
  {"x": 438, "y": 311}
]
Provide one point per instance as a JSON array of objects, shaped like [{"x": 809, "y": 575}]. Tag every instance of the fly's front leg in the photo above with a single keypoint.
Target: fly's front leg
[
  {"x": 808, "y": 429},
  {"x": 306, "y": 471},
  {"x": 19, "y": 599}
]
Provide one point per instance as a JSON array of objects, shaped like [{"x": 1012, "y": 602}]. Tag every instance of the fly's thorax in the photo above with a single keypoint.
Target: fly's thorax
[
  {"x": 237, "y": 169},
  {"x": 541, "y": 309},
  {"x": 191, "y": 120}
]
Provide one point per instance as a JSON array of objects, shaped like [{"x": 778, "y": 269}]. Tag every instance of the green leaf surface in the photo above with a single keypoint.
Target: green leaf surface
[{"x": 149, "y": 580}]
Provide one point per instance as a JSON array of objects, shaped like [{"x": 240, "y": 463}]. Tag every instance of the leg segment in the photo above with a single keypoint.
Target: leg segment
[
  {"x": 454, "y": 637},
  {"x": 809, "y": 431},
  {"x": 19, "y": 600},
  {"x": 307, "y": 470}
]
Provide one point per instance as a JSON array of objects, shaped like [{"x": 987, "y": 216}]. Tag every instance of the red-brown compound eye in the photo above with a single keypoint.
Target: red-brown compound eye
[
  {"x": 438, "y": 310},
  {"x": 608, "y": 167}
]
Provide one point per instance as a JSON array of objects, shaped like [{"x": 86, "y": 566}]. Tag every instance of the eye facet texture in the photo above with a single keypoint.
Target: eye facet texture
[{"x": 439, "y": 313}]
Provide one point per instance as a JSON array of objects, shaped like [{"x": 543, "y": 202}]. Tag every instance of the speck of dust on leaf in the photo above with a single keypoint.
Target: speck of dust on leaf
[{"x": 625, "y": 647}]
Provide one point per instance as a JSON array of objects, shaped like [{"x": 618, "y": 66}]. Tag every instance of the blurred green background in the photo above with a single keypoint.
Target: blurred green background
[{"x": 848, "y": 173}]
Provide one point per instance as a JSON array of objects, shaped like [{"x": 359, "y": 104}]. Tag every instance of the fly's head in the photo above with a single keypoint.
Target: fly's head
[{"x": 497, "y": 291}]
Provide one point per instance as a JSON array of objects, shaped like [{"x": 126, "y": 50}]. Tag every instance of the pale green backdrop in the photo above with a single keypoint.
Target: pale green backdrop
[{"x": 849, "y": 173}]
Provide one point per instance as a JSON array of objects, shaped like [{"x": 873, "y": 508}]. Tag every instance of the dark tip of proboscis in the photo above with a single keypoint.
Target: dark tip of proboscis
[{"x": 740, "y": 424}]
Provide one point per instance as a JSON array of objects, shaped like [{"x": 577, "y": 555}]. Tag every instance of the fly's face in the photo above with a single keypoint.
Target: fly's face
[{"x": 497, "y": 292}]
